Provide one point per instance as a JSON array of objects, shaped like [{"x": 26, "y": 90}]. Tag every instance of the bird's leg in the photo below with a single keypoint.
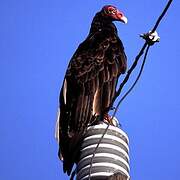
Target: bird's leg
[
  {"x": 94, "y": 120},
  {"x": 107, "y": 119},
  {"x": 111, "y": 120}
]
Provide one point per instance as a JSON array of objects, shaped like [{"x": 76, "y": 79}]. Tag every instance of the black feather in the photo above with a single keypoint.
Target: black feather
[{"x": 91, "y": 78}]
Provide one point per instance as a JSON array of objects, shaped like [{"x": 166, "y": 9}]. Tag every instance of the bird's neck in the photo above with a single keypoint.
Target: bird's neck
[{"x": 100, "y": 23}]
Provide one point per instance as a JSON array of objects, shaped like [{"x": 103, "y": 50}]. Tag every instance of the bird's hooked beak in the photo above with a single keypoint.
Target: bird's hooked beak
[{"x": 122, "y": 18}]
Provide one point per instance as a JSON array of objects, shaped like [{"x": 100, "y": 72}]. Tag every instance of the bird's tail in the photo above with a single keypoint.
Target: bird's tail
[
  {"x": 57, "y": 126},
  {"x": 68, "y": 146}
]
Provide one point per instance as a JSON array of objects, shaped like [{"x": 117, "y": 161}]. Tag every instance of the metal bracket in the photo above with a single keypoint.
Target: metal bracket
[{"x": 150, "y": 37}]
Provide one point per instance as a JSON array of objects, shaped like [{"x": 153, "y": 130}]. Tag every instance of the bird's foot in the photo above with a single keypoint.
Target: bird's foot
[{"x": 109, "y": 120}]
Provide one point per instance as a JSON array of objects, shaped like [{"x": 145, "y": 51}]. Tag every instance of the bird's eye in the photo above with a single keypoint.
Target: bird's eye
[{"x": 112, "y": 11}]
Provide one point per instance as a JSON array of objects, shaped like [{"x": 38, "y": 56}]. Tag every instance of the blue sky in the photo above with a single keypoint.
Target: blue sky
[{"x": 38, "y": 38}]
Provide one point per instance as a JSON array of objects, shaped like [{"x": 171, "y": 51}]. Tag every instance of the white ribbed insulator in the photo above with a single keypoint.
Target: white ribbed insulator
[{"x": 110, "y": 157}]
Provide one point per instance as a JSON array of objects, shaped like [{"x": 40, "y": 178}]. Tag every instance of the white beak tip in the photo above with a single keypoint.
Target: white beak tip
[{"x": 124, "y": 20}]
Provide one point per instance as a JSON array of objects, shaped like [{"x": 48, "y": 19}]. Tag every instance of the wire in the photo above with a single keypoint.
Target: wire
[{"x": 162, "y": 15}]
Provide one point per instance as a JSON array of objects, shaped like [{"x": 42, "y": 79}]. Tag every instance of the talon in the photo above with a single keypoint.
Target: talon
[
  {"x": 109, "y": 120},
  {"x": 107, "y": 117}
]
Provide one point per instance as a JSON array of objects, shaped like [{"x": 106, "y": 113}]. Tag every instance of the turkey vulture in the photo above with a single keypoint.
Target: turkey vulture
[{"x": 90, "y": 83}]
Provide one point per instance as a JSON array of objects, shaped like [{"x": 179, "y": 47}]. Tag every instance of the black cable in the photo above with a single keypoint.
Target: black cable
[{"x": 162, "y": 15}]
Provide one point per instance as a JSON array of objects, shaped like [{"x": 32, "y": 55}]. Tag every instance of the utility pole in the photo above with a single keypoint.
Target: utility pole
[
  {"x": 108, "y": 161},
  {"x": 117, "y": 176}
]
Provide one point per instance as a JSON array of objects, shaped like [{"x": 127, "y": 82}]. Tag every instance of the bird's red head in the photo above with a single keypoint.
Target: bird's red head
[{"x": 114, "y": 14}]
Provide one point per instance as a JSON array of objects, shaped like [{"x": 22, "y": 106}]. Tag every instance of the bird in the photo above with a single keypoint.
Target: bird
[{"x": 90, "y": 83}]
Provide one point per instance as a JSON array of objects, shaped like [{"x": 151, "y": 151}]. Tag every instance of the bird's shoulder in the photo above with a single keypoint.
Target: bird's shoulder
[{"x": 90, "y": 56}]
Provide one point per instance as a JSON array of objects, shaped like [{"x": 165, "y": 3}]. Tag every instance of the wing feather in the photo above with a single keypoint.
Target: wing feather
[{"x": 88, "y": 89}]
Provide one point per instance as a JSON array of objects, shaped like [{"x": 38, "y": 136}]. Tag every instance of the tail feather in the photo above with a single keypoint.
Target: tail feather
[{"x": 57, "y": 126}]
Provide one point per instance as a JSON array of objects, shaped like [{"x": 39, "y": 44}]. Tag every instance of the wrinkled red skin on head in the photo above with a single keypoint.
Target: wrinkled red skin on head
[{"x": 118, "y": 14}]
